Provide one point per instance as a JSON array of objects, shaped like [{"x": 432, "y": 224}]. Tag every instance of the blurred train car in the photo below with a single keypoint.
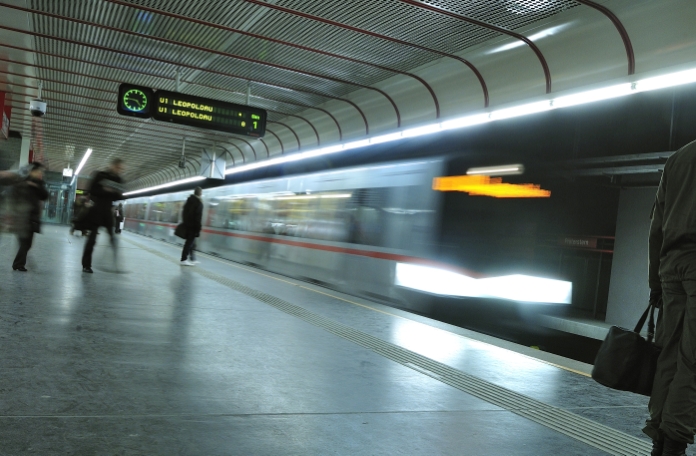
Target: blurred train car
[{"x": 377, "y": 231}]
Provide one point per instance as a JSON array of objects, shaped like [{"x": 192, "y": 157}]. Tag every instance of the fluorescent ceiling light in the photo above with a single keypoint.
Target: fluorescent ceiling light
[
  {"x": 521, "y": 110},
  {"x": 563, "y": 101},
  {"x": 503, "y": 170},
  {"x": 590, "y": 96},
  {"x": 516, "y": 287},
  {"x": 385, "y": 138},
  {"x": 421, "y": 131},
  {"x": 167, "y": 185},
  {"x": 356, "y": 144},
  {"x": 466, "y": 121},
  {"x": 668, "y": 80},
  {"x": 82, "y": 163}
]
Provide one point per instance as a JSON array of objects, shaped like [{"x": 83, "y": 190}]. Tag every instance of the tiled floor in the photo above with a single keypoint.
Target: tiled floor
[{"x": 162, "y": 360}]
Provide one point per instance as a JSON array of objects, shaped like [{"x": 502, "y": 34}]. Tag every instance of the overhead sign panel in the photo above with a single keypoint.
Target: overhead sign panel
[{"x": 190, "y": 110}]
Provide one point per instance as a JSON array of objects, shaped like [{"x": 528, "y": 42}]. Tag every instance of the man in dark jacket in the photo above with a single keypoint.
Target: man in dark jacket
[
  {"x": 106, "y": 187},
  {"x": 27, "y": 195},
  {"x": 192, "y": 220},
  {"x": 672, "y": 279}
]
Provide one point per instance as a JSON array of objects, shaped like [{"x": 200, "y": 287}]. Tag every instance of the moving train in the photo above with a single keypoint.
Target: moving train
[{"x": 381, "y": 231}]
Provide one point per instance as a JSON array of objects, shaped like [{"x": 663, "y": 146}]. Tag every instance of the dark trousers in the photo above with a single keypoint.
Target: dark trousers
[
  {"x": 25, "y": 241},
  {"x": 189, "y": 245},
  {"x": 91, "y": 240},
  {"x": 673, "y": 400}
]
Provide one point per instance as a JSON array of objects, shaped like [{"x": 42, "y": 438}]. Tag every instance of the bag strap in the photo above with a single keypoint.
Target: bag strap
[
  {"x": 641, "y": 322},
  {"x": 651, "y": 324}
]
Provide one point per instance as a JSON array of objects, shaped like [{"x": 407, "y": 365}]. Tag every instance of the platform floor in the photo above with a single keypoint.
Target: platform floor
[{"x": 222, "y": 359}]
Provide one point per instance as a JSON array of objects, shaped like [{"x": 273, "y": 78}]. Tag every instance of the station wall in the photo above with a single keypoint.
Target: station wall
[{"x": 628, "y": 290}]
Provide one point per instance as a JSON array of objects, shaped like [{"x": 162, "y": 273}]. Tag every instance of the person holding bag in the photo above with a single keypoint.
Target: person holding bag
[
  {"x": 672, "y": 280},
  {"x": 191, "y": 224},
  {"x": 27, "y": 195}
]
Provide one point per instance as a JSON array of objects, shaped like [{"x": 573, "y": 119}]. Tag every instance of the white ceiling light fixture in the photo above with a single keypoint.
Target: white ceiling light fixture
[
  {"x": 522, "y": 110},
  {"x": 591, "y": 96},
  {"x": 667, "y": 80},
  {"x": 621, "y": 89},
  {"x": 466, "y": 121},
  {"x": 82, "y": 164},
  {"x": 503, "y": 170},
  {"x": 167, "y": 185}
]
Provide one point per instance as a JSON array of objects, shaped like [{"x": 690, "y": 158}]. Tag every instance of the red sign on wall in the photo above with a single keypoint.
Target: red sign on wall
[{"x": 5, "y": 117}]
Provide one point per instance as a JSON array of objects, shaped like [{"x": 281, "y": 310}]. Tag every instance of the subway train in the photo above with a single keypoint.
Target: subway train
[{"x": 385, "y": 232}]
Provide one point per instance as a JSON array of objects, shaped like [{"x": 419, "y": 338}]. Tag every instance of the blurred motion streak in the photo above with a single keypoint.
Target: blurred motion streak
[
  {"x": 478, "y": 185},
  {"x": 516, "y": 287}
]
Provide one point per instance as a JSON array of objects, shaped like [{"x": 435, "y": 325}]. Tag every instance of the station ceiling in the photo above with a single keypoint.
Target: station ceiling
[{"x": 327, "y": 71}]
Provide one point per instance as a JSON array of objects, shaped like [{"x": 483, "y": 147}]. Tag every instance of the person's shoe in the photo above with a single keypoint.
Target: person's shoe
[
  {"x": 21, "y": 268},
  {"x": 674, "y": 448},
  {"x": 194, "y": 262},
  {"x": 657, "y": 448},
  {"x": 88, "y": 270},
  {"x": 186, "y": 263}
]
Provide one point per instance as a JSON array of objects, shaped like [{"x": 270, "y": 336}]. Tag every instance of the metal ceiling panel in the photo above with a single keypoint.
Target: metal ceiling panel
[{"x": 322, "y": 68}]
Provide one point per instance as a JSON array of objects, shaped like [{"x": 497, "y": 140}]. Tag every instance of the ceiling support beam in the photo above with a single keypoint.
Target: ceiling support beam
[
  {"x": 205, "y": 70},
  {"x": 299, "y": 144},
  {"x": 620, "y": 28},
  {"x": 204, "y": 49},
  {"x": 115, "y": 81},
  {"x": 482, "y": 82},
  {"x": 284, "y": 43},
  {"x": 527, "y": 41}
]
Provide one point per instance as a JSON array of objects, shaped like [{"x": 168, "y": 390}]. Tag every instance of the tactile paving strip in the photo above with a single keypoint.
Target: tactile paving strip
[{"x": 580, "y": 428}]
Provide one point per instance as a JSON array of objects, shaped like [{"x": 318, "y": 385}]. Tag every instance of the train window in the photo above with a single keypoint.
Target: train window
[
  {"x": 176, "y": 209},
  {"x": 156, "y": 212},
  {"x": 142, "y": 211}
]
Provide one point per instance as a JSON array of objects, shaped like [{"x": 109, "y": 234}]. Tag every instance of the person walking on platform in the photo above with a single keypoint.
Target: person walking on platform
[
  {"x": 105, "y": 188},
  {"x": 27, "y": 195},
  {"x": 118, "y": 216},
  {"x": 672, "y": 279},
  {"x": 192, "y": 218}
]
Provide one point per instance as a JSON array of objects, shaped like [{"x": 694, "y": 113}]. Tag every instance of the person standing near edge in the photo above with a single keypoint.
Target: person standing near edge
[
  {"x": 104, "y": 190},
  {"x": 27, "y": 195},
  {"x": 672, "y": 279},
  {"x": 192, "y": 220}
]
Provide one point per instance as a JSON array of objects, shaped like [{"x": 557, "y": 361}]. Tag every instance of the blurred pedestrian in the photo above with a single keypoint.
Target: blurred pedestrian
[
  {"x": 8, "y": 177},
  {"x": 118, "y": 217},
  {"x": 27, "y": 195},
  {"x": 192, "y": 219},
  {"x": 80, "y": 213},
  {"x": 672, "y": 280},
  {"x": 105, "y": 188}
]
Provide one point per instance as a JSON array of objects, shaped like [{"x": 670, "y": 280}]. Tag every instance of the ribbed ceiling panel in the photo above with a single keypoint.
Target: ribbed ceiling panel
[
  {"x": 81, "y": 73},
  {"x": 306, "y": 32}
]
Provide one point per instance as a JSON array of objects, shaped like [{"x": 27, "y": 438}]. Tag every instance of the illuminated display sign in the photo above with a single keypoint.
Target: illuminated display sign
[
  {"x": 191, "y": 110},
  {"x": 135, "y": 101},
  {"x": 487, "y": 186},
  {"x": 205, "y": 113}
]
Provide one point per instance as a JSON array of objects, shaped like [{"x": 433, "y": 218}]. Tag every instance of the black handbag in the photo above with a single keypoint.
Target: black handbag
[
  {"x": 626, "y": 361},
  {"x": 180, "y": 231}
]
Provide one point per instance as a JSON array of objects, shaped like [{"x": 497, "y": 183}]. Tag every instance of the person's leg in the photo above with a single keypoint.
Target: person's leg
[
  {"x": 89, "y": 248},
  {"x": 187, "y": 248},
  {"x": 667, "y": 337},
  {"x": 192, "y": 249},
  {"x": 25, "y": 241},
  {"x": 679, "y": 414}
]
